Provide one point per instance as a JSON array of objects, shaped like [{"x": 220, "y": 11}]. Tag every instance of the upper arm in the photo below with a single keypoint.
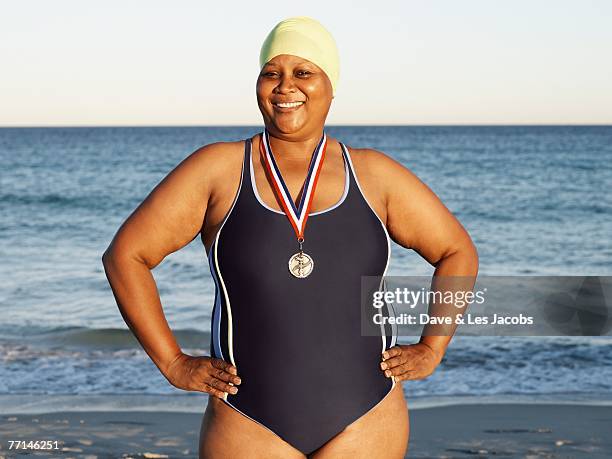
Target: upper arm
[
  {"x": 173, "y": 213},
  {"x": 416, "y": 218}
]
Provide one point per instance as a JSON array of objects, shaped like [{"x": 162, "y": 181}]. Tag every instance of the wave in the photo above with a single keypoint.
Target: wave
[
  {"x": 50, "y": 198},
  {"x": 98, "y": 338}
]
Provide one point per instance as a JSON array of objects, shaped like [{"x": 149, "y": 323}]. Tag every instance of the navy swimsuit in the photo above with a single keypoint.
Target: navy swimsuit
[{"x": 307, "y": 372}]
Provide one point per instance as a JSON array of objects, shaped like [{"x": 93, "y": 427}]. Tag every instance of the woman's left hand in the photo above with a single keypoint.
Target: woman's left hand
[{"x": 413, "y": 361}]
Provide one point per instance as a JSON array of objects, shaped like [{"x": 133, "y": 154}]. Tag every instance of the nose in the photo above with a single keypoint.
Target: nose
[{"x": 286, "y": 84}]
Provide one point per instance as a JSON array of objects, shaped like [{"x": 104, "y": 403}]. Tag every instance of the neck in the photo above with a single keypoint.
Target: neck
[{"x": 298, "y": 148}]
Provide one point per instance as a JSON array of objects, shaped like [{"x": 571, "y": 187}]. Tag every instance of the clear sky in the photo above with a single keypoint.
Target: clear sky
[{"x": 149, "y": 62}]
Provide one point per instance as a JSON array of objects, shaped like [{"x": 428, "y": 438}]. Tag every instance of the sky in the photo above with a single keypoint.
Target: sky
[{"x": 166, "y": 63}]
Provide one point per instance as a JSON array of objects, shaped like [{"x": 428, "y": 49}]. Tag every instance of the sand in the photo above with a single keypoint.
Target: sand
[{"x": 459, "y": 431}]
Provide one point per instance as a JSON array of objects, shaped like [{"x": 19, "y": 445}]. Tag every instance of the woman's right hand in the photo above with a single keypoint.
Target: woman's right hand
[{"x": 203, "y": 374}]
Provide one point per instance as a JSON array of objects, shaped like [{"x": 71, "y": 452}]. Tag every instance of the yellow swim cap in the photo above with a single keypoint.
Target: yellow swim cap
[{"x": 304, "y": 37}]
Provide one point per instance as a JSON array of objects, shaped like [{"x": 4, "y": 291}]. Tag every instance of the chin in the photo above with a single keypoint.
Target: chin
[{"x": 289, "y": 126}]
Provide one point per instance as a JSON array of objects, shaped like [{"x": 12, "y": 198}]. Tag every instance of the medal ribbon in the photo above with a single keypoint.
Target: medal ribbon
[{"x": 297, "y": 215}]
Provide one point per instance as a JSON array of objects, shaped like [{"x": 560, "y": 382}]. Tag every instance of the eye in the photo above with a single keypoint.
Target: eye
[{"x": 304, "y": 72}]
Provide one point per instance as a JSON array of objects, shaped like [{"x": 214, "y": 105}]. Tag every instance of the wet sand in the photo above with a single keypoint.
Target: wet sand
[{"x": 460, "y": 431}]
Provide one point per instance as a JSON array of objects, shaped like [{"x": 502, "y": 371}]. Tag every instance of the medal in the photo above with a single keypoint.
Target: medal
[{"x": 300, "y": 264}]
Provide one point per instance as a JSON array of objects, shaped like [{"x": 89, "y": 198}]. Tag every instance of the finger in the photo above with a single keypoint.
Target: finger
[
  {"x": 224, "y": 376},
  {"x": 221, "y": 385},
  {"x": 394, "y": 361},
  {"x": 223, "y": 365},
  {"x": 212, "y": 391},
  {"x": 401, "y": 373},
  {"x": 392, "y": 352},
  {"x": 408, "y": 375},
  {"x": 398, "y": 370},
  {"x": 224, "y": 371}
]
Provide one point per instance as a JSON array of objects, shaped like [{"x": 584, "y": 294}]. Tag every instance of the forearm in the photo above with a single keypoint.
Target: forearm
[
  {"x": 461, "y": 267},
  {"x": 138, "y": 300}
]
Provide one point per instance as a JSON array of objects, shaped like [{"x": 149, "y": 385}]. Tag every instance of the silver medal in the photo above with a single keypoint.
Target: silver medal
[{"x": 301, "y": 264}]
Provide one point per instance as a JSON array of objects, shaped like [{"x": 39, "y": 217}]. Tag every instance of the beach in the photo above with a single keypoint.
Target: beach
[{"x": 458, "y": 431}]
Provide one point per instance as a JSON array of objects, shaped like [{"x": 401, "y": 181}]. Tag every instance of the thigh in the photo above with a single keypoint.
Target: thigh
[
  {"x": 380, "y": 433},
  {"x": 226, "y": 433}
]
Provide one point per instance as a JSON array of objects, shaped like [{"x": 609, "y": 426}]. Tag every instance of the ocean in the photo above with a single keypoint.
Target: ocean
[{"x": 535, "y": 199}]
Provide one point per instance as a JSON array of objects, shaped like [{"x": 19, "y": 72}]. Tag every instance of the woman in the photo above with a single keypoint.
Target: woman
[{"x": 289, "y": 373}]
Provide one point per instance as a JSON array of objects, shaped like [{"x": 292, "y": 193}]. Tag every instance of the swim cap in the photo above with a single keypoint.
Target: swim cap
[{"x": 304, "y": 37}]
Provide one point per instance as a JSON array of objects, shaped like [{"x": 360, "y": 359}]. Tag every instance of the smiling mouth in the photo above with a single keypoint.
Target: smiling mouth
[{"x": 288, "y": 106}]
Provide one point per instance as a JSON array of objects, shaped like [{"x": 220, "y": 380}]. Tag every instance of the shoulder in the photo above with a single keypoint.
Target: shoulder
[
  {"x": 375, "y": 161},
  {"x": 213, "y": 163},
  {"x": 375, "y": 165},
  {"x": 386, "y": 181},
  {"x": 217, "y": 156},
  {"x": 206, "y": 173}
]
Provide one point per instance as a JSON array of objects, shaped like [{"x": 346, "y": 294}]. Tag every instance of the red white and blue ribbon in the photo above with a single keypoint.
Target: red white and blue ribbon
[{"x": 296, "y": 215}]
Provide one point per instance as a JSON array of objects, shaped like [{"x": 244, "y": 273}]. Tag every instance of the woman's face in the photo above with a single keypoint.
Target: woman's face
[{"x": 288, "y": 78}]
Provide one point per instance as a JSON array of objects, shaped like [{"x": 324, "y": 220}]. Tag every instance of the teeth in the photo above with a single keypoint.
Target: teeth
[{"x": 290, "y": 104}]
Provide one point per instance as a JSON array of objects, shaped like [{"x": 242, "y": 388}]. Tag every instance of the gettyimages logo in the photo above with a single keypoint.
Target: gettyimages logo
[{"x": 487, "y": 306}]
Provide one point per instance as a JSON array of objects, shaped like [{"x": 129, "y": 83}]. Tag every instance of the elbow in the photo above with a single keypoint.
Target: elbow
[
  {"x": 469, "y": 257},
  {"x": 473, "y": 258},
  {"x": 107, "y": 262},
  {"x": 463, "y": 257},
  {"x": 112, "y": 258},
  {"x": 106, "y": 257},
  {"x": 115, "y": 257}
]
